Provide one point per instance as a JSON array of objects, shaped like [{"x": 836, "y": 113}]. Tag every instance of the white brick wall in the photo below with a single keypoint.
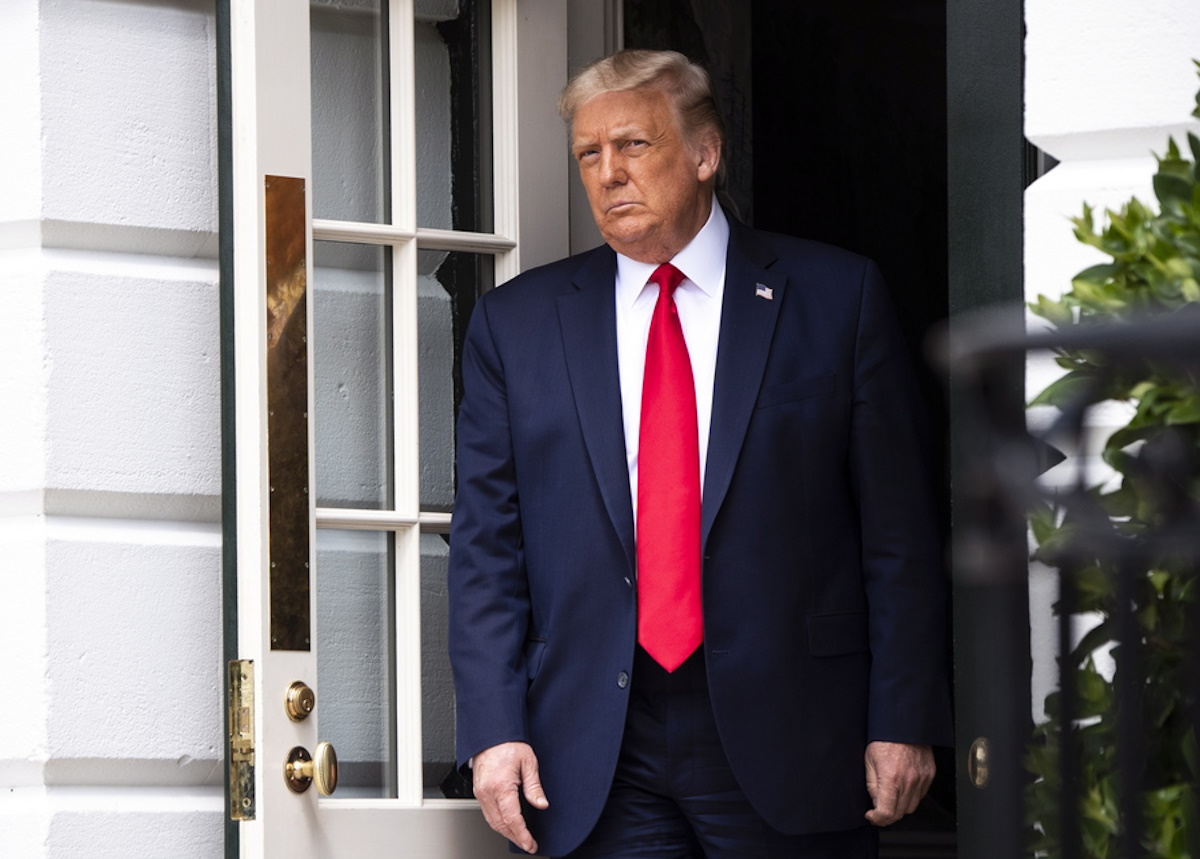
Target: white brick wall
[
  {"x": 23, "y": 377},
  {"x": 23, "y": 645},
  {"x": 1097, "y": 67},
  {"x": 110, "y": 479},
  {"x": 133, "y": 633},
  {"x": 20, "y": 173},
  {"x": 132, "y": 346},
  {"x": 129, "y": 125}
]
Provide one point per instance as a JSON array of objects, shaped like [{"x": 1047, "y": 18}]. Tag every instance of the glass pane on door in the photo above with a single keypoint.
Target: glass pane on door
[
  {"x": 437, "y": 684},
  {"x": 355, "y": 657},
  {"x": 452, "y": 55},
  {"x": 352, "y": 374},
  {"x": 448, "y": 285},
  {"x": 350, "y": 110}
]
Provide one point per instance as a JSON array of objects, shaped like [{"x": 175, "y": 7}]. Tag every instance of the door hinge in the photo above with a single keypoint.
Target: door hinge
[{"x": 241, "y": 739}]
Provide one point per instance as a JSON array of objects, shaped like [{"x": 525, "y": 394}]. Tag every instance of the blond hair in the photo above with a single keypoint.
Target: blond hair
[{"x": 685, "y": 84}]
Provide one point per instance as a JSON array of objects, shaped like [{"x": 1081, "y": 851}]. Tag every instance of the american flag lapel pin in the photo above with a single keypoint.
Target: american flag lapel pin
[{"x": 763, "y": 291}]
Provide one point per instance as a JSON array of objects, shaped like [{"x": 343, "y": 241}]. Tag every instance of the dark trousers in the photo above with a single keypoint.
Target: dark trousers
[{"x": 674, "y": 795}]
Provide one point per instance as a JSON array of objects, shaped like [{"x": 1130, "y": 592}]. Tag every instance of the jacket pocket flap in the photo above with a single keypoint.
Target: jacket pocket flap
[
  {"x": 797, "y": 389},
  {"x": 838, "y": 634}
]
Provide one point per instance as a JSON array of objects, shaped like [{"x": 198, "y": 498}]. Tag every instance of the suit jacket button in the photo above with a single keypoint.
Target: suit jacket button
[
  {"x": 623, "y": 679},
  {"x": 628, "y": 582}
]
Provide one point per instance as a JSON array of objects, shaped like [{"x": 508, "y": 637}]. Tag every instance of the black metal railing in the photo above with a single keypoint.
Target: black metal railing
[{"x": 1118, "y": 755}]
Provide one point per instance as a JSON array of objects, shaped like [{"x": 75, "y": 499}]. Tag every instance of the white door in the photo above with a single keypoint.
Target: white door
[{"x": 378, "y": 150}]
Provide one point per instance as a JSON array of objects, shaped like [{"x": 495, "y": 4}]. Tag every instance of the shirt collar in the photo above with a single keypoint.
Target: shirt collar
[{"x": 702, "y": 261}]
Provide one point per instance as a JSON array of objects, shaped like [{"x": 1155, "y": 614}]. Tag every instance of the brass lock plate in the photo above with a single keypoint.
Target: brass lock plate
[
  {"x": 241, "y": 739},
  {"x": 978, "y": 764}
]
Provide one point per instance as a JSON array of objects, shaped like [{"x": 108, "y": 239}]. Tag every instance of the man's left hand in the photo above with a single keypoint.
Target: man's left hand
[{"x": 898, "y": 776}]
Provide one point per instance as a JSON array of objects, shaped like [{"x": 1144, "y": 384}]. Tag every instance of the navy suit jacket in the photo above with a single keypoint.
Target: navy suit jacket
[{"x": 825, "y": 598}]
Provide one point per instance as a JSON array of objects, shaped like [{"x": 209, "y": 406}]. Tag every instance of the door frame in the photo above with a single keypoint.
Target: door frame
[
  {"x": 985, "y": 127},
  {"x": 985, "y": 121}
]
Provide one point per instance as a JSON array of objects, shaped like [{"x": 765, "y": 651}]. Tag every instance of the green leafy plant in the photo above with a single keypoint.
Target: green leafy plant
[{"x": 1154, "y": 268}]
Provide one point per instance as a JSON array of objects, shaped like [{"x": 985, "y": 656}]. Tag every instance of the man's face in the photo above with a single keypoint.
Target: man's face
[{"x": 649, "y": 190}]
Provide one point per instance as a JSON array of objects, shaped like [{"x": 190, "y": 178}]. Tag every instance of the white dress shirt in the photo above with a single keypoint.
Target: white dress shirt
[{"x": 699, "y": 301}]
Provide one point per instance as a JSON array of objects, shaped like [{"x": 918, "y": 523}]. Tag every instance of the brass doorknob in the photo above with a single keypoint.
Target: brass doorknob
[{"x": 302, "y": 769}]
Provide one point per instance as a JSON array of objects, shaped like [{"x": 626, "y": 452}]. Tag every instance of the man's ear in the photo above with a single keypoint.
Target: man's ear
[{"x": 708, "y": 155}]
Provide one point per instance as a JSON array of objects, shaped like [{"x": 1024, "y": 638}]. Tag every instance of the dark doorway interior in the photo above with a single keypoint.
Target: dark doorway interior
[
  {"x": 850, "y": 138},
  {"x": 837, "y": 126}
]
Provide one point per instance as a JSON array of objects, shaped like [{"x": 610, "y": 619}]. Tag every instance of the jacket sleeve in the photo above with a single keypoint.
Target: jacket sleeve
[
  {"x": 488, "y": 590},
  {"x": 902, "y": 554}
]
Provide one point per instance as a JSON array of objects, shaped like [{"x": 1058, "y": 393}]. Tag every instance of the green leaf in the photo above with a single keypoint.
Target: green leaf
[
  {"x": 1118, "y": 459},
  {"x": 1043, "y": 521},
  {"x": 1196, "y": 112},
  {"x": 1172, "y": 191},
  {"x": 1093, "y": 585},
  {"x": 1096, "y": 276},
  {"x": 1173, "y": 161},
  {"x": 1054, "y": 543},
  {"x": 1120, "y": 503},
  {"x": 1186, "y": 411},
  {"x": 1085, "y": 223},
  {"x": 1178, "y": 267},
  {"x": 1101, "y": 297},
  {"x": 1101, "y": 635},
  {"x": 1057, "y": 312},
  {"x": 1071, "y": 388}
]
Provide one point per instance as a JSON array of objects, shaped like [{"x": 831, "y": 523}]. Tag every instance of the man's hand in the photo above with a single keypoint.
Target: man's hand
[
  {"x": 499, "y": 773},
  {"x": 898, "y": 775}
]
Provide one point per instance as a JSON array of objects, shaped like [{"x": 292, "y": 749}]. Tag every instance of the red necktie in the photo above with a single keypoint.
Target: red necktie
[{"x": 670, "y": 617}]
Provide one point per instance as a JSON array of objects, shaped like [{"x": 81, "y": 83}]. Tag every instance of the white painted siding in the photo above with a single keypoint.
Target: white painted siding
[{"x": 110, "y": 479}]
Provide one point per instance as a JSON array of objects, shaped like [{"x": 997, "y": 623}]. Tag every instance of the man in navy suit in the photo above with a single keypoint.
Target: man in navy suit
[{"x": 803, "y": 676}]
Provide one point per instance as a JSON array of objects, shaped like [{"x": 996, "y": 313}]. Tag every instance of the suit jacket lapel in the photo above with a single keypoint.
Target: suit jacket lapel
[
  {"x": 587, "y": 314},
  {"x": 747, "y": 327}
]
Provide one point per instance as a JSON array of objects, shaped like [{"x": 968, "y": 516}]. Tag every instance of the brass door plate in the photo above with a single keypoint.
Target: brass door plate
[{"x": 287, "y": 411}]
